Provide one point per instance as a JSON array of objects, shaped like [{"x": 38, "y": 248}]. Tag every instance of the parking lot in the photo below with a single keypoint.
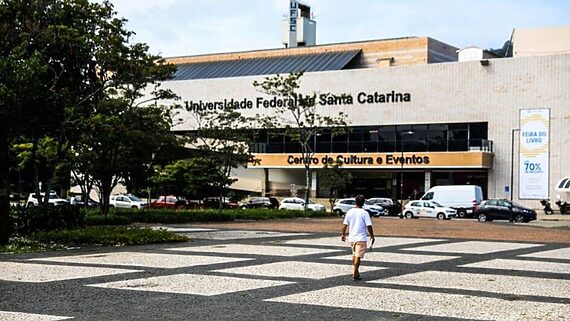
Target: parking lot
[{"x": 239, "y": 271}]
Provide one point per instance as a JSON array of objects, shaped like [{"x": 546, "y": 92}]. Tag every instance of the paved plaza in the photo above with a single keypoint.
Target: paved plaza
[{"x": 262, "y": 275}]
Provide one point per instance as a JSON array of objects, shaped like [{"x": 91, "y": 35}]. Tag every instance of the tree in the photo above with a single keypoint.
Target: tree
[
  {"x": 223, "y": 138},
  {"x": 192, "y": 177},
  {"x": 299, "y": 117},
  {"x": 44, "y": 54},
  {"x": 120, "y": 138},
  {"x": 60, "y": 61},
  {"x": 334, "y": 179}
]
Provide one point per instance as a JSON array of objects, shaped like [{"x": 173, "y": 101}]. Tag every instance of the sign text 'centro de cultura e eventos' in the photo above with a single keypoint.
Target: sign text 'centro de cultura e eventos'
[
  {"x": 362, "y": 98},
  {"x": 360, "y": 160}
]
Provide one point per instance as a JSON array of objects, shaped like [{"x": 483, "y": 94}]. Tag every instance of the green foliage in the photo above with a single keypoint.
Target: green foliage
[
  {"x": 25, "y": 245},
  {"x": 27, "y": 220},
  {"x": 333, "y": 180},
  {"x": 192, "y": 178},
  {"x": 106, "y": 235},
  {"x": 222, "y": 137}
]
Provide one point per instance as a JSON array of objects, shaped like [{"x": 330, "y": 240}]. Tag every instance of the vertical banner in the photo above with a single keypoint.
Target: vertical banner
[{"x": 534, "y": 153}]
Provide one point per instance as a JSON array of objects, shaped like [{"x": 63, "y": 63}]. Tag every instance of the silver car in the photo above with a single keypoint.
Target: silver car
[{"x": 343, "y": 205}]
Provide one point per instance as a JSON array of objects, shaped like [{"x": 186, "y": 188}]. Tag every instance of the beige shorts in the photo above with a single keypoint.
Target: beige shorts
[{"x": 358, "y": 249}]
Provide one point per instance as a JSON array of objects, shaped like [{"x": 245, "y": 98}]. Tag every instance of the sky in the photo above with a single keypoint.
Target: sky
[{"x": 190, "y": 27}]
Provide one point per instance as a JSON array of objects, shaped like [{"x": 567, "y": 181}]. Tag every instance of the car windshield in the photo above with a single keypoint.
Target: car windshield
[
  {"x": 134, "y": 198},
  {"x": 436, "y": 204},
  {"x": 369, "y": 202}
]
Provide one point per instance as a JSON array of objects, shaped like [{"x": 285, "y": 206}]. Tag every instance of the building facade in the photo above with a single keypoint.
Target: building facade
[{"x": 414, "y": 112}]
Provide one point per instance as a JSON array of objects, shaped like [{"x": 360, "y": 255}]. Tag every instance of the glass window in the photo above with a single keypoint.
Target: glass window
[
  {"x": 561, "y": 185},
  {"x": 417, "y": 204},
  {"x": 428, "y": 196},
  {"x": 492, "y": 202}
]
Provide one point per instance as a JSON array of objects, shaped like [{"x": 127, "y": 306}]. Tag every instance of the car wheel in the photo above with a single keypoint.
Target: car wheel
[
  {"x": 338, "y": 212},
  {"x": 462, "y": 214},
  {"x": 409, "y": 215},
  {"x": 482, "y": 217},
  {"x": 519, "y": 218},
  {"x": 244, "y": 207},
  {"x": 440, "y": 216},
  {"x": 30, "y": 204},
  {"x": 134, "y": 207},
  {"x": 111, "y": 206}
]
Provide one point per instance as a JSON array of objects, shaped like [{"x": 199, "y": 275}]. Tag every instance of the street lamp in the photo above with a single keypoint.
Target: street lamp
[
  {"x": 513, "y": 158},
  {"x": 402, "y": 135}
]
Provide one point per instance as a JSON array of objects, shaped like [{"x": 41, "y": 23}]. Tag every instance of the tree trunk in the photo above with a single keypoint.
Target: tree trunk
[
  {"x": 4, "y": 190},
  {"x": 105, "y": 187},
  {"x": 309, "y": 183}
]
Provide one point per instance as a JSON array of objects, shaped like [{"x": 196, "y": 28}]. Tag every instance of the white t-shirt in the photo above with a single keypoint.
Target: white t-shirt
[{"x": 357, "y": 220}]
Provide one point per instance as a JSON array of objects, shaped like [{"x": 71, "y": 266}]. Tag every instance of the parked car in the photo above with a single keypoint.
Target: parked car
[
  {"x": 214, "y": 202},
  {"x": 77, "y": 200},
  {"x": 343, "y": 205},
  {"x": 463, "y": 198},
  {"x": 127, "y": 201},
  {"x": 498, "y": 209},
  {"x": 416, "y": 209},
  {"x": 170, "y": 202},
  {"x": 261, "y": 202},
  {"x": 563, "y": 195},
  {"x": 296, "y": 203},
  {"x": 54, "y": 199},
  {"x": 392, "y": 207}
]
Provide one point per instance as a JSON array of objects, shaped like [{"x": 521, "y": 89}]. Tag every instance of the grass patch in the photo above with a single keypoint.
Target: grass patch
[
  {"x": 109, "y": 235},
  {"x": 25, "y": 245}
]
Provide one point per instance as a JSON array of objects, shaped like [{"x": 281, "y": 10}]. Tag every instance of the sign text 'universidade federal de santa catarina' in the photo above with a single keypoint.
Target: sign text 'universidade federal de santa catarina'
[{"x": 362, "y": 98}]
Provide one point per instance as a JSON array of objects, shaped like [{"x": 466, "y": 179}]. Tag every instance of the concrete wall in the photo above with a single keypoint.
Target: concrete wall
[{"x": 440, "y": 93}]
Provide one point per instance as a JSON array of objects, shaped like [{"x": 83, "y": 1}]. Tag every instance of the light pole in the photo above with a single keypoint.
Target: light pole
[
  {"x": 402, "y": 135},
  {"x": 513, "y": 159}
]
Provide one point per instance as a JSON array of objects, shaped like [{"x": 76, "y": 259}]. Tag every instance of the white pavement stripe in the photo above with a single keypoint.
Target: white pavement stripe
[
  {"x": 563, "y": 254},
  {"x": 473, "y": 247},
  {"x": 143, "y": 259},
  {"x": 503, "y": 284},
  {"x": 254, "y": 249},
  {"x": 294, "y": 269},
  {"x": 183, "y": 229},
  {"x": 31, "y": 272},
  {"x": 21, "y": 316},
  {"x": 429, "y": 304},
  {"x": 375, "y": 256},
  {"x": 206, "y": 285},
  {"x": 519, "y": 265},
  {"x": 237, "y": 235},
  {"x": 379, "y": 243}
]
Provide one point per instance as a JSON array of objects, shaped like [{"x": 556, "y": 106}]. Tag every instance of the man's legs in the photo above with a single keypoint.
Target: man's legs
[{"x": 356, "y": 266}]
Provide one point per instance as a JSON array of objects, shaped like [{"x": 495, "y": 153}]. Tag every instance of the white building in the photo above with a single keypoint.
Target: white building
[{"x": 501, "y": 123}]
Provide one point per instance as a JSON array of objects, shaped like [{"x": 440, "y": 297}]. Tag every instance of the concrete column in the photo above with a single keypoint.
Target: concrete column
[
  {"x": 313, "y": 192},
  {"x": 264, "y": 181},
  {"x": 427, "y": 181}
]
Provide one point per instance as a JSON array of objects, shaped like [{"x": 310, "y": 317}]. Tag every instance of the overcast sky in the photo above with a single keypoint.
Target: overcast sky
[{"x": 191, "y": 27}]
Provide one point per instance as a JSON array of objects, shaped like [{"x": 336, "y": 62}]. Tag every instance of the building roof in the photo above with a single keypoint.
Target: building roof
[{"x": 323, "y": 61}]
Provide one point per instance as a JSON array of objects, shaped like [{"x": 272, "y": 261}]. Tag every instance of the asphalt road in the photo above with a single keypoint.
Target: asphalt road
[{"x": 229, "y": 273}]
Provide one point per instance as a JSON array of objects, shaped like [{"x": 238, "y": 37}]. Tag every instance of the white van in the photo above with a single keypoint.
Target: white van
[{"x": 462, "y": 198}]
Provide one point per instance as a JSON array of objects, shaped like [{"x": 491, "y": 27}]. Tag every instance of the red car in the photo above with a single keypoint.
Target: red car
[{"x": 170, "y": 202}]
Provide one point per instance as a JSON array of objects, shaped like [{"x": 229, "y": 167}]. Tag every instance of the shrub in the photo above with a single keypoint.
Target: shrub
[
  {"x": 27, "y": 220},
  {"x": 167, "y": 216},
  {"x": 105, "y": 235}
]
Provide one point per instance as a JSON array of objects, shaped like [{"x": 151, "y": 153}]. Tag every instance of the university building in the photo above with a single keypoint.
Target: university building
[{"x": 416, "y": 108}]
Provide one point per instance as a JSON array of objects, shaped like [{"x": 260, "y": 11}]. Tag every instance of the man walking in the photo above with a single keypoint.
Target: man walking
[{"x": 358, "y": 223}]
